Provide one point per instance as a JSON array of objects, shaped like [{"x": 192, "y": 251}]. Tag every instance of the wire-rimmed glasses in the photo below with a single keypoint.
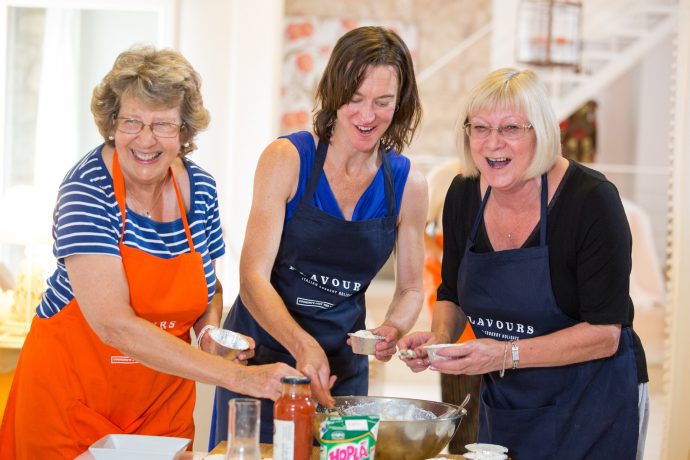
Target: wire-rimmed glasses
[
  {"x": 159, "y": 128},
  {"x": 509, "y": 131}
]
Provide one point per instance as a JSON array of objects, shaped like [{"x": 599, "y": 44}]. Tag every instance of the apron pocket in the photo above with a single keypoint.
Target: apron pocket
[{"x": 527, "y": 433}]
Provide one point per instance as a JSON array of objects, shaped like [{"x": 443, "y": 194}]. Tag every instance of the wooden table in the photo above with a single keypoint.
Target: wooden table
[{"x": 267, "y": 452}]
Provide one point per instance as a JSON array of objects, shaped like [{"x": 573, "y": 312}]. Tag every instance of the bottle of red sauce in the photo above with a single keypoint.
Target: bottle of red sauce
[{"x": 293, "y": 414}]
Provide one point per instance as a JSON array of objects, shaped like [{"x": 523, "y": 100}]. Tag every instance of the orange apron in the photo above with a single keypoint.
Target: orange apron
[
  {"x": 70, "y": 389},
  {"x": 431, "y": 281}
]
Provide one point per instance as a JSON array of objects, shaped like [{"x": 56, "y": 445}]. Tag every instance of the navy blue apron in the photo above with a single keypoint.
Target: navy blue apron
[
  {"x": 323, "y": 267},
  {"x": 580, "y": 411}
]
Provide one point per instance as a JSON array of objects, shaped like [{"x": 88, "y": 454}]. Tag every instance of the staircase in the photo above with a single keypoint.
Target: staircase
[{"x": 616, "y": 34}]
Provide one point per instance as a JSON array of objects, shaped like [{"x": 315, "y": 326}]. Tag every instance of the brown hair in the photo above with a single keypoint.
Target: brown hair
[
  {"x": 352, "y": 55},
  {"x": 159, "y": 78}
]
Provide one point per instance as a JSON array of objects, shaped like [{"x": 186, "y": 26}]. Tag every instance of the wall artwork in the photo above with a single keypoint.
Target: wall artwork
[{"x": 307, "y": 47}]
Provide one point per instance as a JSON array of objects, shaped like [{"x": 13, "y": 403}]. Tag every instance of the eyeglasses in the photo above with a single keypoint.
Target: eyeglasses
[
  {"x": 159, "y": 128},
  {"x": 509, "y": 132}
]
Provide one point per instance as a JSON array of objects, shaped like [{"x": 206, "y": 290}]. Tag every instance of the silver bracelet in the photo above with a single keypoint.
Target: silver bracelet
[
  {"x": 202, "y": 333},
  {"x": 505, "y": 354},
  {"x": 515, "y": 353}
]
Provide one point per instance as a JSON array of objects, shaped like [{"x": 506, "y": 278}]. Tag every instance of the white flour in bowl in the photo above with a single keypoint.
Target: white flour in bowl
[{"x": 390, "y": 412}]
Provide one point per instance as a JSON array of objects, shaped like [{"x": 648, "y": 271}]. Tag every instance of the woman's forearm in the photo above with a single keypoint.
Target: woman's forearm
[
  {"x": 576, "y": 344},
  {"x": 448, "y": 321},
  {"x": 153, "y": 347},
  {"x": 404, "y": 310},
  {"x": 267, "y": 307}
]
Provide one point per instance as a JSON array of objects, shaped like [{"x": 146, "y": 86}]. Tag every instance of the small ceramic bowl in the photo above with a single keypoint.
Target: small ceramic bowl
[
  {"x": 482, "y": 451},
  {"x": 364, "y": 344},
  {"x": 484, "y": 455},
  {"x": 432, "y": 349},
  {"x": 227, "y": 343}
]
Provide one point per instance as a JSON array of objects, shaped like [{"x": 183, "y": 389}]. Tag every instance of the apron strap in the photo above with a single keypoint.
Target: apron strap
[
  {"x": 388, "y": 186},
  {"x": 183, "y": 212},
  {"x": 480, "y": 215},
  {"x": 119, "y": 187},
  {"x": 542, "y": 213},
  {"x": 316, "y": 170},
  {"x": 120, "y": 196}
]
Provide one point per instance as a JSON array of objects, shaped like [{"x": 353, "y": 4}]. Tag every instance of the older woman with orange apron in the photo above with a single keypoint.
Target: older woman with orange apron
[{"x": 136, "y": 232}]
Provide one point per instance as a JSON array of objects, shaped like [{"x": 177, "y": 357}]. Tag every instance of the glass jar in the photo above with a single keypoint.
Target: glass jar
[
  {"x": 243, "y": 429},
  {"x": 293, "y": 415}
]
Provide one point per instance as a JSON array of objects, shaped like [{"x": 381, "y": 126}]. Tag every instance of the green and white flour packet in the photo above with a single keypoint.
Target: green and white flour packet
[{"x": 349, "y": 437}]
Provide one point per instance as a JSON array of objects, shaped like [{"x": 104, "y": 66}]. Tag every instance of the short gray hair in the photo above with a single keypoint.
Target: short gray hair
[{"x": 159, "y": 78}]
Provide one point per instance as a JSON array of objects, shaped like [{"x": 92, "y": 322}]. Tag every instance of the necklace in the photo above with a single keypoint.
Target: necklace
[
  {"x": 144, "y": 211},
  {"x": 517, "y": 223},
  {"x": 515, "y": 229}
]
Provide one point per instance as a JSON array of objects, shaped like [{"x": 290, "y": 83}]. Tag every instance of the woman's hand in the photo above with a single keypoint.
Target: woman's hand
[
  {"x": 474, "y": 357},
  {"x": 262, "y": 381},
  {"x": 244, "y": 356},
  {"x": 313, "y": 363},
  {"x": 385, "y": 348},
  {"x": 415, "y": 341}
]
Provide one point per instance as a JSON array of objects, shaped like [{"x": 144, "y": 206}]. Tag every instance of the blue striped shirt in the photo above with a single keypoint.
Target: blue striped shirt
[{"x": 87, "y": 220}]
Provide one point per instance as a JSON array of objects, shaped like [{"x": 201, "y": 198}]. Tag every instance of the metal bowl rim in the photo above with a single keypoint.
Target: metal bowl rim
[{"x": 451, "y": 408}]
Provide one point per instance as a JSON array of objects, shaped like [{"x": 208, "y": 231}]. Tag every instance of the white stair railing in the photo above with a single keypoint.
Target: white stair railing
[{"x": 616, "y": 34}]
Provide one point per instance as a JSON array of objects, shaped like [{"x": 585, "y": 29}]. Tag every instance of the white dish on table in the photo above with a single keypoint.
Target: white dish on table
[{"x": 136, "y": 446}]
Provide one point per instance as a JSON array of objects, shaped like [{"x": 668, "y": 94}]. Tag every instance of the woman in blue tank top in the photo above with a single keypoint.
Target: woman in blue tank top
[{"x": 327, "y": 211}]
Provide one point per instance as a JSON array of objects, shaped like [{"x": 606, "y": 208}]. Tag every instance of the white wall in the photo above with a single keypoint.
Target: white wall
[
  {"x": 676, "y": 442},
  {"x": 236, "y": 47}
]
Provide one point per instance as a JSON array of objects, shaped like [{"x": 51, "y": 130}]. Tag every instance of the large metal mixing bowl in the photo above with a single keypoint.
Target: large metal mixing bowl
[{"x": 402, "y": 438}]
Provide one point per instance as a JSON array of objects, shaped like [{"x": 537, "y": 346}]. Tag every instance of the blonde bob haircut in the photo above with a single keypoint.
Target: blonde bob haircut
[
  {"x": 160, "y": 79},
  {"x": 518, "y": 90}
]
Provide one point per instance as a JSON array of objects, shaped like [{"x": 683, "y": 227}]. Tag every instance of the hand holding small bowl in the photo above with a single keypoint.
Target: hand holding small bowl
[
  {"x": 432, "y": 351},
  {"x": 364, "y": 342},
  {"x": 228, "y": 344}
]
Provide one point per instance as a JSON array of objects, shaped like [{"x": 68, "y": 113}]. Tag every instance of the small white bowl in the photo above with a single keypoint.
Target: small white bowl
[
  {"x": 227, "y": 343},
  {"x": 483, "y": 451},
  {"x": 136, "y": 447},
  {"x": 364, "y": 344},
  {"x": 432, "y": 349},
  {"x": 484, "y": 455}
]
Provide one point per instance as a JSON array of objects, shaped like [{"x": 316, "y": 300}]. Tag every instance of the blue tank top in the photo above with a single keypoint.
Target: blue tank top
[{"x": 371, "y": 204}]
